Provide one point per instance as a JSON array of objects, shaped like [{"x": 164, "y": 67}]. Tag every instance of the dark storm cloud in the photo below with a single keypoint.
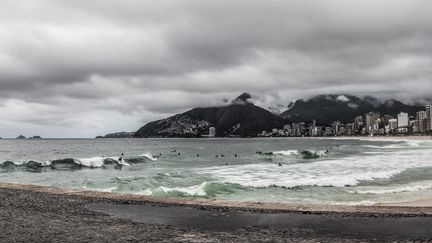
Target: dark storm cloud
[{"x": 103, "y": 65}]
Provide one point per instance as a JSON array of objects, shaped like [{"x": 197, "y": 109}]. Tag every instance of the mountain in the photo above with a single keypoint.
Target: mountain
[
  {"x": 393, "y": 107},
  {"x": 328, "y": 108},
  {"x": 240, "y": 118}
]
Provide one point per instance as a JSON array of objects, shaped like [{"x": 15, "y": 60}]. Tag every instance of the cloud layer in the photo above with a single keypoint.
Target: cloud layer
[{"x": 82, "y": 68}]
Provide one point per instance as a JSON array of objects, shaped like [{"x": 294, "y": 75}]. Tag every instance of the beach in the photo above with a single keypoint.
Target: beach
[
  {"x": 49, "y": 214},
  {"x": 216, "y": 190}
]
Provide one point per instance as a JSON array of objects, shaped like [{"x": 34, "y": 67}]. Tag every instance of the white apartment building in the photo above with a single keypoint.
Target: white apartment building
[{"x": 403, "y": 122}]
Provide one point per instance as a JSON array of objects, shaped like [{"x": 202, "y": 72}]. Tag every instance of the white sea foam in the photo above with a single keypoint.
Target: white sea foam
[
  {"x": 109, "y": 189},
  {"x": 357, "y": 203},
  {"x": 197, "y": 190},
  {"x": 91, "y": 162},
  {"x": 297, "y": 152},
  {"x": 118, "y": 160},
  {"x": 149, "y": 156},
  {"x": 392, "y": 189},
  {"x": 286, "y": 152},
  {"x": 334, "y": 172},
  {"x": 146, "y": 192},
  {"x": 400, "y": 141}
]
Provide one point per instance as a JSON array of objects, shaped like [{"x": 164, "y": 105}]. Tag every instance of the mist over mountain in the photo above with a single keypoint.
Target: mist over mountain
[
  {"x": 328, "y": 108},
  {"x": 243, "y": 118},
  {"x": 240, "y": 118}
]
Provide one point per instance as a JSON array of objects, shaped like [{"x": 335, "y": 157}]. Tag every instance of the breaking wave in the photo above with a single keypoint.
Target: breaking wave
[
  {"x": 393, "y": 190},
  {"x": 205, "y": 189},
  {"x": 303, "y": 154},
  {"x": 334, "y": 172},
  {"x": 78, "y": 163}
]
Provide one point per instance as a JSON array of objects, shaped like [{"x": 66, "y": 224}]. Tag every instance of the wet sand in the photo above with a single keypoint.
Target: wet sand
[{"x": 48, "y": 214}]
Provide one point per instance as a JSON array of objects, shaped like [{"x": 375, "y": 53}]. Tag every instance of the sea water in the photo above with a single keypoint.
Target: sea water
[{"x": 301, "y": 170}]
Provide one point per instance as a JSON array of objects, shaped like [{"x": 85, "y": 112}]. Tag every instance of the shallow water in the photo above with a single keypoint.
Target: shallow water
[{"x": 336, "y": 171}]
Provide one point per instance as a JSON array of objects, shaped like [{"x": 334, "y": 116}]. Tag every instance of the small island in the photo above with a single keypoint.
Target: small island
[{"x": 35, "y": 137}]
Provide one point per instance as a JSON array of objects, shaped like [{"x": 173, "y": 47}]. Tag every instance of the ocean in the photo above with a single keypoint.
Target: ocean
[{"x": 285, "y": 170}]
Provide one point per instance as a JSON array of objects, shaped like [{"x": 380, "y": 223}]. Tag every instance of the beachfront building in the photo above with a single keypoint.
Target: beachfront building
[
  {"x": 376, "y": 126},
  {"x": 371, "y": 118},
  {"x": 336, "y": 126},
  {"x": 403, "y": 122},
  {"x": 429, "y": 117},
  {"x": 212, "y": 132},
  {"x": 393, "y": 124},
  {"x": 358, "y": 124},
  {"x": 421, "y": 122}
]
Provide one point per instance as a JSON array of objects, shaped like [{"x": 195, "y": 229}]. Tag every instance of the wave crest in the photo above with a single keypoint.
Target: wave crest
[
  {"x": 303, "y": 154},
  {"x": 77, "y": 163},
  {"x": 205, "y": 189}
]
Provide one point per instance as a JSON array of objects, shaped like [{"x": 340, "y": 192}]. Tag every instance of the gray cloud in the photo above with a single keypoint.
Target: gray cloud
[{"x": 82, "y": 68}]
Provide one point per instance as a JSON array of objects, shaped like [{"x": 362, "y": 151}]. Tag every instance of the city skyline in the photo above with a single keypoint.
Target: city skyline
[{"x": 80, "y": 69}]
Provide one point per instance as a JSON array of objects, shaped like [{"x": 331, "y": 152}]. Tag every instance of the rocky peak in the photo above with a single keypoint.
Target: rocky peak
[{"x": 243, "y": 99}]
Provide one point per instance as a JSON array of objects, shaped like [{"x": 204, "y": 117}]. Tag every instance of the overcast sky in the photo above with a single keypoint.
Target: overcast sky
[{"x": 84, "y": 68}]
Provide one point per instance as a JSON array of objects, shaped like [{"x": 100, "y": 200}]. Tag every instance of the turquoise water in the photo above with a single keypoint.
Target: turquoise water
[{"x": 337, "y": 171}]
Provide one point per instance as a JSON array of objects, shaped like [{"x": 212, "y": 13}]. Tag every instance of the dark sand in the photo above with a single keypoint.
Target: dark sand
[{"x": 46, "y": 214}]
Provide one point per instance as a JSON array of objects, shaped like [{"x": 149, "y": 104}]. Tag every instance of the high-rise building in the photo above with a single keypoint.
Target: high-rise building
[
  {"x": 358, "y": 123},
  {"x": 385, "y": 119},
  {"x": 429, "y": 117},
  {"x": 403, "y": 122},
  {"x": 376, "y": 126},
  {"x": 212, "y": 131},
  {"x": 392, "y": 123},
  {"x": 336, "y": 127},
  {"x": 422, "y": 121},
  {"x": 371, "y": 117}
]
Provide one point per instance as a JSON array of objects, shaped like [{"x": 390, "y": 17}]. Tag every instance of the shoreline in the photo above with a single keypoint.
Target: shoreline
[
  {"x": 381, "y": 138},
  {"x": 50, "y": 214},
  {"x": 416, "y": 207}
]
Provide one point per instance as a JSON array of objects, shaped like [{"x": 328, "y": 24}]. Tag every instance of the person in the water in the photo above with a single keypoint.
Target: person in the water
[{"x": 280, "y": 164}]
